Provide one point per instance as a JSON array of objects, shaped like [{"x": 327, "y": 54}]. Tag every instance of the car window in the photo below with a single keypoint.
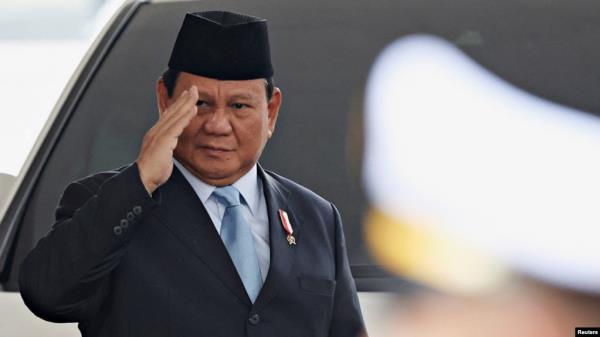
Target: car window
[{"x": 322, "y": 53}]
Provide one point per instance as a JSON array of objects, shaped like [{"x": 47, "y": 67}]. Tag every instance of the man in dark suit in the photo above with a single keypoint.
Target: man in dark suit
[{"x": 195, "y": 238}]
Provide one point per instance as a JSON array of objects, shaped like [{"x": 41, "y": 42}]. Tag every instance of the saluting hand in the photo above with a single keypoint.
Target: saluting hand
[{"x": 155, "y": 161}]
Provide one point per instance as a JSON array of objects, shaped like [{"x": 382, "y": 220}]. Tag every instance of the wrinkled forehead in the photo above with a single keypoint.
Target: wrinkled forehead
[{"x": 214, "y": 87}]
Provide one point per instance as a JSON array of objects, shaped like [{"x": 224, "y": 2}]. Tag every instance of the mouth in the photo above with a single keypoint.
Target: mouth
[{"x": 215, "y": 149}]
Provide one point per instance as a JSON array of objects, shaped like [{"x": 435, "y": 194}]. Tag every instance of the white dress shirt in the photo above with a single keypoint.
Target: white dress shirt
[{"x": 254, "y": 208}]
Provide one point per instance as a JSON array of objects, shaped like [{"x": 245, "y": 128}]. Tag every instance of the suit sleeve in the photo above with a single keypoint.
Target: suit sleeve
[
  {"x": 347, "y": 319},
  {"x": 66, "y": 276}
]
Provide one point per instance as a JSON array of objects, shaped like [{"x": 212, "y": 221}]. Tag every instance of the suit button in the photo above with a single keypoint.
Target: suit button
[
  {"x": 124, "y": 223},
  {"x": 130, "y": 216},
  {"x": 117, "y": 230},
  {"x": 254, "y": 319},
  {"x": 137, "y": 210}
]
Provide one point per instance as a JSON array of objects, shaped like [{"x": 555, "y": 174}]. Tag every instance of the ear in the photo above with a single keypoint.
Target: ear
[
  {"x": 273, "y": 108},
  {"x": 162, "y": 96}
]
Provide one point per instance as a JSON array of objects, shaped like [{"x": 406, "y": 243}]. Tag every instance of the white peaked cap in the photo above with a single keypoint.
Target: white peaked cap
[{"x": 451, "y": 144}]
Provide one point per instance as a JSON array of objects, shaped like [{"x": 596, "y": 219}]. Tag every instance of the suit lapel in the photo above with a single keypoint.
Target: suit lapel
[
  {"x": 282, "y": 254},
  {"x": 183, "y": 213}
]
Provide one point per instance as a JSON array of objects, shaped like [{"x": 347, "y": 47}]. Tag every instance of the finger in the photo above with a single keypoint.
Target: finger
[
  {"x": 176, "y": 109},
  {"x": 169, "y": 129},
  {"x": 190, "y": 96},
  {"x": 173, "y": 107},
  {"x": 181, "y": 123},
  {"x": 176, "y": 105},
  {"x": 190, "y": 102},
  {"x": 174, "y": 112}
]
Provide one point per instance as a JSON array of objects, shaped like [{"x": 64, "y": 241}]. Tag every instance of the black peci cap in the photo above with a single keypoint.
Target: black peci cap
[{"x": 223, "y": 45}]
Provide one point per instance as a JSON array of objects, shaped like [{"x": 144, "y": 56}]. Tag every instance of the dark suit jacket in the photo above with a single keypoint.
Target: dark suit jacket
[{"x": 124, "y": 264}]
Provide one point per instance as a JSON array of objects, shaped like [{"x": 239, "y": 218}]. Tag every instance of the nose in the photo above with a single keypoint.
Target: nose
[{"x": 217, "y": 123}]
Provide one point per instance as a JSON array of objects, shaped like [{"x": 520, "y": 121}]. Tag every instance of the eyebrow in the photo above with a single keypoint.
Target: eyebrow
[
  {"x": 206, "y": 96},
  {"x": 242, "y": 96}
]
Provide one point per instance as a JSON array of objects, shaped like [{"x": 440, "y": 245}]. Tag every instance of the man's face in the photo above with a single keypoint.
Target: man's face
[{"x": 233, "y": 124}]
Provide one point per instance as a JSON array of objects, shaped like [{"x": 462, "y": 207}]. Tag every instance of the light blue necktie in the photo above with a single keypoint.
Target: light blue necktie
[{"x": 237, "y": 237}]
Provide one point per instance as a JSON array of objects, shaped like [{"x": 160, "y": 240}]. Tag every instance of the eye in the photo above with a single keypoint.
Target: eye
[
  {"x": 201, "y": 103},
  {"x": 239, "y": 106}
]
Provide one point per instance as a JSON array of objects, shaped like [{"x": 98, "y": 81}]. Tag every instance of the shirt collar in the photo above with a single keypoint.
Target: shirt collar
[{"x": 247, "y": 185}]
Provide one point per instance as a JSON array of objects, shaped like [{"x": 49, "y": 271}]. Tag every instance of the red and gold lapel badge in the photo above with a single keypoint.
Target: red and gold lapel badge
[{"x": 287, "y": 226}]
